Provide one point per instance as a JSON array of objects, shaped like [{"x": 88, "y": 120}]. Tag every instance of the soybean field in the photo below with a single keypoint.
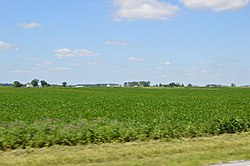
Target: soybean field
[{"x": 39, "y": 117}]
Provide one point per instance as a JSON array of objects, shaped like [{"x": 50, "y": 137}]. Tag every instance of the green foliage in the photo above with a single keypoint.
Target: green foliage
[
  {"x": 172, "y": 84},
  {"x": 17, "y": 84},
  {"x": 64, "y": 84},
  {"x": 137, "y": 84},
  {"x": 35, "y": 82},
  {"x": 44, "y": 83},
  {"x": 69, "y": 116}
]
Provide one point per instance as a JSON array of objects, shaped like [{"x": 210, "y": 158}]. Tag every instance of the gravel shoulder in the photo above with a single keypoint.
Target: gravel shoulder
[{"x": 235, "y": 163}]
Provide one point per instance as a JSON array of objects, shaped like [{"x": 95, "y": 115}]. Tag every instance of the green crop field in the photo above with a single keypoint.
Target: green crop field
[{"x": 39, "y": 117}]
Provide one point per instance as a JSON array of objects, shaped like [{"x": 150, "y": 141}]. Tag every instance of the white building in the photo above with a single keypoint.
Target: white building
[{"x": 29, "y": 85}]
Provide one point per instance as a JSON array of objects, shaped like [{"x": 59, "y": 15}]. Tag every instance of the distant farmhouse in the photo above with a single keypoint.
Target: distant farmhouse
[
  {"x": 29, "y": 85},
  {"x": 113, "y": 85},
  {"x": 97, "y": 85}
]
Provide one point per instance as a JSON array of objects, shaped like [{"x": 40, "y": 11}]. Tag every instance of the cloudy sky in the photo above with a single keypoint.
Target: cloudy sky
[{"x": 100, "y": 41}]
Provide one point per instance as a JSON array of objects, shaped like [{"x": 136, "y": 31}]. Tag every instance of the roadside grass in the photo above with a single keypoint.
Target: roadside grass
[{"x": 201, "y": 151}]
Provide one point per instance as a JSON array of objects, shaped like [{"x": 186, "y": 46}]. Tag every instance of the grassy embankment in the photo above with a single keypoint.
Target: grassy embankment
[{"x": 175, "y": 152}]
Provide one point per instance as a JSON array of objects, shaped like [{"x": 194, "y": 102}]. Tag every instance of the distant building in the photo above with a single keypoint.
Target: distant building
[
  {"x": 113, "y": 85},
  {"x": 79, "y": 86},
  {"x": 29, "y": 85}
]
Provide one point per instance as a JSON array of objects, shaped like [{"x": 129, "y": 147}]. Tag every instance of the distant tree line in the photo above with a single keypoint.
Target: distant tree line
[
  {"x": 5, "y": 84},
  {"x": 43, "y": 83},
  {"x": 172, "y": 84},
  {"x": 17, "y": 84},
  {"x": 190, "y": 85},
  {"x": 137, "y": 84},
  {"x": 215, "y": 85},
  {"x": 35, "y": 83}
]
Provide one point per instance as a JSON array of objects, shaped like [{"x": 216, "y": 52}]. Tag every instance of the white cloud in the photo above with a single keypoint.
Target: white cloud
[
  {"x": 166, "y": 63},
  {"x": 4, "y": 45},
  {"x": 143, "y": 9},
  {"x": 196, "y": 72},
  {"x": 159, "y": 69},
  {"x": 216, "y": 5},
  {"x": 93, "y": 63},
  {"x": 135, "y": 59},
  {"x": 69, "y": 53},
  {"x": 20, "y": 71},
  {"x": 116, "y": 43},
  {"x": 29, "y": 25},
  {"x": 63, "y": 51},
  {"x": 48, "y": 63},
  {"x": 31, "y": 59},
  {"x": 61, "y": 69},
  {"x": 44, "y": 64}
]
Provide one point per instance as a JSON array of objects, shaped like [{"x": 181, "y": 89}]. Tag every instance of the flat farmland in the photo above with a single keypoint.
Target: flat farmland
[{"x": 40, "y": 117}]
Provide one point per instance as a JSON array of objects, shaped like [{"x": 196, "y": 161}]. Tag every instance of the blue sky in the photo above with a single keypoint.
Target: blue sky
[{"x": 113, "y": 41}]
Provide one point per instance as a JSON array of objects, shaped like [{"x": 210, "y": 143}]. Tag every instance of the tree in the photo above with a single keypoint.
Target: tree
[
  {"x": 147, "y": 84},
  {"x": 125, "y": 84},
  {"x": 233, "y": 85},
  {"x": 44, "y": 83},
  {"x": 172, "y": 84},
  {"x": 35, "y": 82},
  {"x": 144, "y": 83},
  {"x": 64, "y": 84},
  {"x": 17, "y": 84}
]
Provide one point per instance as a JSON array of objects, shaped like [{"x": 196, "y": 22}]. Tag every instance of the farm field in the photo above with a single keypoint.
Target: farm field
[{"x": 41, "y": 117}]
